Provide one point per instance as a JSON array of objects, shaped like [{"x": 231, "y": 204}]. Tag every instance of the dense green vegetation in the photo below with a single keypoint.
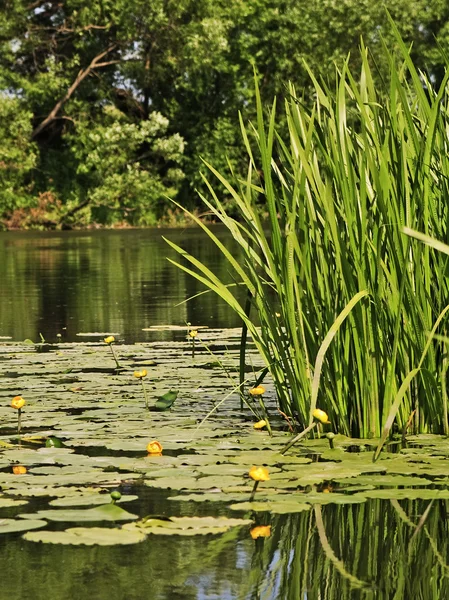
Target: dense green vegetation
[
  {"x": 351, "y": 308},
  {"x": 107, "y": 106}
]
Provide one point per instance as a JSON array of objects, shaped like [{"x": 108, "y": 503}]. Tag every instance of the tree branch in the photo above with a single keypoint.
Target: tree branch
[
  {"x": 79, "y": 79},
  {"x": 109, "y": 62},
  {"x": 73, "y": 211}
]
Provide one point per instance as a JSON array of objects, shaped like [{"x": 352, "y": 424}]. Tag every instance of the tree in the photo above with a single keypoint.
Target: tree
[{"x": 76, "y": 67}]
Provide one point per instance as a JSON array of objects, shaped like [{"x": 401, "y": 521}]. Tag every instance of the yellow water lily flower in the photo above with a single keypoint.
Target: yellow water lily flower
[
  {"x": 260, "y": 531},
  {"x": 257, "y": 391},
  {"x": 259, "y": 474},
  {"x": 18, "y": 402},
  {"x": 260, "y": 424},
  {"x": 320, "y": 416},
  {"x": 193, "y": 333},
  {"x": 19, "y": 470},
  {"x": 109, "y": 340},
  {"x": 154, "y": 447},
  {"x": 140, "y": 374}
]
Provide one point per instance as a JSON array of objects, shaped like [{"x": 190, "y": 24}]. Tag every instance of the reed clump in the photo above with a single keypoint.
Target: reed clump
[{"x": 346, "y": 309}]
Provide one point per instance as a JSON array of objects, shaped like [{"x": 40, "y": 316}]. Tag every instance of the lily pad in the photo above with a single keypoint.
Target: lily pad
[
  {"x": 15, "y": 525},
  {"x": 9, "y": 502},
  {"x": 106, "y": 512},
  {"x": 166, "y": 401},
  {"x": 405, "y": 494},
  {"x": 89, "y": 499},
  {"x": 187, "y": 526},
  {"x": 89, "y": 536},
  {"x": 387, "y": 480}
]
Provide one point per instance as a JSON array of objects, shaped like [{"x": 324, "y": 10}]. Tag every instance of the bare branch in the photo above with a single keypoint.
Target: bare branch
[
  {"x": 105, "y": 64},
  {"x": 79, "y": 79}
]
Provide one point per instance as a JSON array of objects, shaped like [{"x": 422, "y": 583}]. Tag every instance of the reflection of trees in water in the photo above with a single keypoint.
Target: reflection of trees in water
[{"x": 103, "y": 281}]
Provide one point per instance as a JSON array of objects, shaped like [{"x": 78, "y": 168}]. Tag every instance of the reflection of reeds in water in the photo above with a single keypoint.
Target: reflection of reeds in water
[{"x": 355, "y": 551}]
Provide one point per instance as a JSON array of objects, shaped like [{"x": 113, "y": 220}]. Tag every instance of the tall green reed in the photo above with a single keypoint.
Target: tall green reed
[{"x": 342, "y": 302}]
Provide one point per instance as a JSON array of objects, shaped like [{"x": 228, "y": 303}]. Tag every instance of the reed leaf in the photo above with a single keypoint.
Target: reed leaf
[{"x": 320, "y": 218}]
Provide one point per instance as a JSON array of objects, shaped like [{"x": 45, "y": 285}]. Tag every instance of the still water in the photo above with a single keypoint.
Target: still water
[
  {"x": 104, "y": 281},
  {"x": 122, "y": 282},
  {"x": 364, "y": 551}
]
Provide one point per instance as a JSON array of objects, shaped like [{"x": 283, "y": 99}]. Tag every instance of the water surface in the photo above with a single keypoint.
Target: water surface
[
  {"x": 105, "y": 281},
  {"x": 121, "y": 281}
]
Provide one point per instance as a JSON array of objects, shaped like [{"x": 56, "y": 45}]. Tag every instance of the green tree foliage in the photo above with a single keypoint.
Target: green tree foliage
[
  {"x": 18, "y": 154},
  {"x": 72, "y": 71},
  {"x": 124, "y": 167}
]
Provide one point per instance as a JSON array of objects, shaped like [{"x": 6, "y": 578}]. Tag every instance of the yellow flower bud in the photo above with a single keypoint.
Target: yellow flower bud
[
  {"x": 19, "y": 470},
  {"x": 257, "y": 391},
  {"x": 140, "y": 374},
  {"x": 154, "y": 447},
  {"x": 320, "y": 416},
  {"x": 260, "y": 531},
  {"x": 259, "y": 474},
  {"x": 260, "y": 424},
  {"x": 18, "y": 402},
  {"x": 193, "y": 333},
  {"x": 109, "y": 340}
]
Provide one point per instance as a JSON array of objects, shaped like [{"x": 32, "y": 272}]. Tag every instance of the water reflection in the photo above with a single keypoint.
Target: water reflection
[
  {"x": 363, "y": 551},
  {"x": 117, "y": 281}
]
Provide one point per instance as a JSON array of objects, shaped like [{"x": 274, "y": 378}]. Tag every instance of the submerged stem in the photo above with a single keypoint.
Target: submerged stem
[
  {"x": 298, "y": 437},
  {"x": 145, "y": 395},
  {"x": 115, "y": 357},
  {"x": 253, "y": 493},
  {"x": 243, "y": 340}
]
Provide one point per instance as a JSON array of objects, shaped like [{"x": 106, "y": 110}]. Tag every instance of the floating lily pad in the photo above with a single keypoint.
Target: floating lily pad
[
  {"x": 187, "y": 526},
  {"x": 219, "y": 495},
  {"x": 89, "y": 536},
  {"x": 166, "y": 401},
  {"x": 223, "y": 469},
  {"x": 387, "y": 480},
  {"x": 15, "y": 525},
  {"x": 405, "y": 494},
  {"x": 9, "y": 502},
  {"x": 89, "y": 499},
  {"x": 280, "y": 506},
  {"x": 106, "y": 512}
]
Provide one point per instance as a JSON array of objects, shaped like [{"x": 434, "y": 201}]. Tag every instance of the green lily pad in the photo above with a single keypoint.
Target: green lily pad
[
  {"x": 280, "y": 507},
  {"x": 405, "y": 494},
  {"x": 89, "y": 499},
  {"x": 187, "y": 526},
  {"x": 166, "y": 401},
  {"x": 388, "y": 480},
  {"x": 223, "y": 469},
  {"x": 15, "y": 525},
  {"x": 9, "y": 502},
  {"x": 106, "y": 512},
  {"x": 89, "y": 536}
]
